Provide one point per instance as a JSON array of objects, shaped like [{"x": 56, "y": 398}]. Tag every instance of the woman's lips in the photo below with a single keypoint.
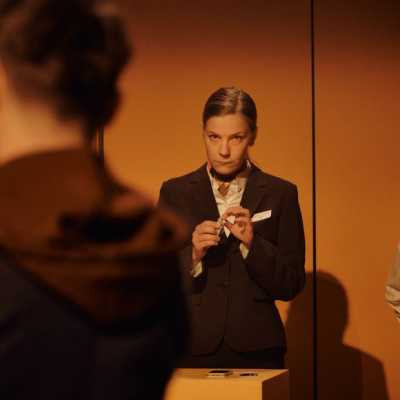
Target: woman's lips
[{"x": 224, "y": 162}]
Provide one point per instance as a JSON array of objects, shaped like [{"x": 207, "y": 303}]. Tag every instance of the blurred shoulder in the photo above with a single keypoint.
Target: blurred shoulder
[
  {"x": 158, "y": 229},
  {"x": 183, "y": 180}
]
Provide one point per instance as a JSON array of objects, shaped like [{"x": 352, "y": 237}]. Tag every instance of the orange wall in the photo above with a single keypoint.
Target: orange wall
[
  {"x": 358, "y": 184},
  {"x": 184, "y": 51}
]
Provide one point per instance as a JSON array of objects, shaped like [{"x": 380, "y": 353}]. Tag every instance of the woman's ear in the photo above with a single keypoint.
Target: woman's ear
[{"x": 253, "y": 137}]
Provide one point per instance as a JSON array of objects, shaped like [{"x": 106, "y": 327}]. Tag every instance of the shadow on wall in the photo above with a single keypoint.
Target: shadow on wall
[{"x": 344, "y": 372}]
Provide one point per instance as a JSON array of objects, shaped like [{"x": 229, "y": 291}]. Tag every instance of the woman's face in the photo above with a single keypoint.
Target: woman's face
[{"x": 227, "y": 139}]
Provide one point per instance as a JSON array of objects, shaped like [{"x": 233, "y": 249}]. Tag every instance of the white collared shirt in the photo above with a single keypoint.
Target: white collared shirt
[{"x": 232, "y": 198}]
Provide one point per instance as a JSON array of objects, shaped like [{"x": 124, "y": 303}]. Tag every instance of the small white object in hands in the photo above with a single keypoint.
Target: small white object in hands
[{"x": 231, "y": 219}]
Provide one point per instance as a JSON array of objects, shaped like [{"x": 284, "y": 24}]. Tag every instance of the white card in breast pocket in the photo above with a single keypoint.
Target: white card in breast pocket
[{"x": 261, "y": 215}]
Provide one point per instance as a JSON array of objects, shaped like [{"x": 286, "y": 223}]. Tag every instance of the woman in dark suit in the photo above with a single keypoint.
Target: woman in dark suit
[
  {"x": 247, "y": 248},
  {"x": 90, "y": 299}
]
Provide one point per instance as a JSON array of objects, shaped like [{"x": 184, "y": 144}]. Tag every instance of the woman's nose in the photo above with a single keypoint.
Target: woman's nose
[{"x": 224, "y": 150}]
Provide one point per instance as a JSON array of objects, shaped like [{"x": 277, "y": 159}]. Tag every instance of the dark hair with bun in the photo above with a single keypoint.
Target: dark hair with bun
[
  {"x": 231, "y": 100},
  {"x": 67, "y": 52}
]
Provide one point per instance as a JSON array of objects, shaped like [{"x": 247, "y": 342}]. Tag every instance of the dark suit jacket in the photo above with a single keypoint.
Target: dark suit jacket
[
  {"x": 91, "y": 305},
  {"x": 234, "y": 298}
]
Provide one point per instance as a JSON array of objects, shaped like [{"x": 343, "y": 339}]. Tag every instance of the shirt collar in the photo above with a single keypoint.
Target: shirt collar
[{"x": 238, "y": 184}]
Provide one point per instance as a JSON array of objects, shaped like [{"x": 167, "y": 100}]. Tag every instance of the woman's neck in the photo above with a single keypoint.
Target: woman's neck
[{"x": 33, "y": 128}]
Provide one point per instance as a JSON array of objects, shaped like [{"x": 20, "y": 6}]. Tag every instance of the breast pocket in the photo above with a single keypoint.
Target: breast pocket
[{"x": 267, "y": 228}]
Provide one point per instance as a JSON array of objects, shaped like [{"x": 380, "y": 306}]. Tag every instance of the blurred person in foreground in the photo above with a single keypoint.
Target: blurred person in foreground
[{"x": 90, "y": 293}]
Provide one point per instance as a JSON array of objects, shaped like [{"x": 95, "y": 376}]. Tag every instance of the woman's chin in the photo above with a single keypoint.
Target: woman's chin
[{"x": 225, "y": 170}]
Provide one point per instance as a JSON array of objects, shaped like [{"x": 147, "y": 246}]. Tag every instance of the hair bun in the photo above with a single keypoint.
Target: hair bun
[{"x": 73, "y": 50}]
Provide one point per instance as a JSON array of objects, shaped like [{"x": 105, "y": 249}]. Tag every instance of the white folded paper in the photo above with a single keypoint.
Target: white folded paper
[{"x": 261, "y": 215}]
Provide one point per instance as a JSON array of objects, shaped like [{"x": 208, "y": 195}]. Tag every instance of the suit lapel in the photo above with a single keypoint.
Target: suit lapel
[
  {"x": 203, "y": 197},
  {"x": 256, "y": 188}
]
